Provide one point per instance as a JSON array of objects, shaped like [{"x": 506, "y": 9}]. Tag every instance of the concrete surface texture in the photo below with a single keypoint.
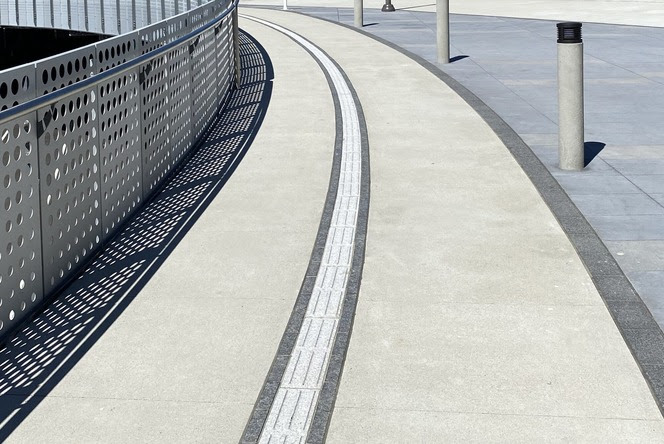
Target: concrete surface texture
[
  {"x": 621, "y": 190},
  {"x": 473, "y": 302},
  {"x": 627, "y": 12},
  {"x": 187, "y": 358},
  {"x": 476, "y": 319}
]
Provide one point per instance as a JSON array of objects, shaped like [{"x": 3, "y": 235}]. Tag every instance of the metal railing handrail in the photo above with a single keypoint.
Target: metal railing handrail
[{"x": 69, "y": 90}]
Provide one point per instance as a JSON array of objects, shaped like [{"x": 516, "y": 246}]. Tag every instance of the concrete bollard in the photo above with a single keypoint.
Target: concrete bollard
[
  {"x": 285, "y": 8},
  {"x": 359, "y": 13},
  {"x": 570, "y": 97},
  {"x": 443, "y": 30}
]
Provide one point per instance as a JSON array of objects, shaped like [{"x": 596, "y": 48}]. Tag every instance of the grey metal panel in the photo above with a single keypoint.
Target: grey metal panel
[
  {"x": 110, "y": 17},
  {"x": 98, "y": 153},
  {"x": 94, "y": 16},
  {"x": 70, "y": 185},
  {"x": 142, "y": 17},
  {"x": 177, "y": 27},
  {"x": 179, "y": 85},
  {"x": 78, "y": 15},
  {"x": 201, "y": 16},
  {"x": 126, "y": 17},
  {"x": 155, "y": 11},
  {"x": 17, "y": 86},
  {"x": 120, "y": 144},
  {"x": 64, "y": 69},
  {"x": 211, "y": 84},
  {"x": 43, "y": 13},
  {"x": 61, "y": 14},
  {"x": 198, "y": 87},
  {"x": 157, "y": 160},
  {"x": 26, "y": 13},
  {"x": 224, "y": 57},
  {"x": 153, "y": 37},
  {"x": 20, "y": 249},
  {"x": 116, "y": 50},
  {"x": 9, "y": 13}
]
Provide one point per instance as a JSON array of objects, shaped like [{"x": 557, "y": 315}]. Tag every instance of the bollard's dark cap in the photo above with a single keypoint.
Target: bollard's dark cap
[{"x": 569, "y": 32}]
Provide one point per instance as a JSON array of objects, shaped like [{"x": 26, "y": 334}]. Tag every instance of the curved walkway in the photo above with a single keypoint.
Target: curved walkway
[
  {"x": 473, "y": 303},
  {"x": 475, "y": 319}
]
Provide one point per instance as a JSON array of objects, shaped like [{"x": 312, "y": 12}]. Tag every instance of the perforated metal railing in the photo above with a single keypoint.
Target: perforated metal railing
[
  {"x": 86, "y": 136},
  {"x": 99, "y": 16}
]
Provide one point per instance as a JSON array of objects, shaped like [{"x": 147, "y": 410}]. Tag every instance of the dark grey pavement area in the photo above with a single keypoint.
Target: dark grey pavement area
[{"x": 511, "y": 65}]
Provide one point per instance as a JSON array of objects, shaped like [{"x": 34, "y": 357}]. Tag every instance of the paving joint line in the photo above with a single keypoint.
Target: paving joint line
[{"x": 297, "y": 402}]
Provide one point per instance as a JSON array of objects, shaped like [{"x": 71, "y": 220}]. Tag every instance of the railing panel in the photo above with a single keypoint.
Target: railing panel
[
  {"x": 200, "y": 81},
  {"x": 120, "y": 142},
  {"x": 73, "y": 169},
  {"x": 17, "y": 86},
  {"x": 224, "y": 57},
  {"x": 20, "y": 251},
  {"x": 157, "y": 159},
  {"x": 179, "y": 85},
  {"x": 70, "y": 189},
  {"x": 116, "y": 50},
  {"x": 65, "y": 69}
]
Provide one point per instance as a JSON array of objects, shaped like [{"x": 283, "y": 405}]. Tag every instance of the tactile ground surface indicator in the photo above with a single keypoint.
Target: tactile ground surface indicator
[{"x": 293, "y": 408}]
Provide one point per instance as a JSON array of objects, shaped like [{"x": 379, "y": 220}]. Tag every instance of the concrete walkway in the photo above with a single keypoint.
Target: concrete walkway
[
  {"x": 621, "y": 191},
  {"x": 474, "y": 308},
  {"x": 476, "y": 319}
]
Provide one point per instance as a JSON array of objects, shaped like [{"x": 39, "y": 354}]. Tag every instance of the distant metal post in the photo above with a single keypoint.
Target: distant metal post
[
  {"x": 359, "y": 13},
  {"x": 236, "y": 47},
  {"x": 388, "y": 7},
  {"x": 443, "y": 30},
  {"x": 285, "y": 5},
  {"x": 570, "y": 97}
]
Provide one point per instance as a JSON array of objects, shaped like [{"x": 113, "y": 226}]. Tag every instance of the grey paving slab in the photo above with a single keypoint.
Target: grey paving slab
[
  {"x": 649, "y": 183},
  {"x": 633, "y": 227},
  {"x": 635, "y": 256},
  {"x": 616, "y": 204},
  {"x": 586, "y": 184}
]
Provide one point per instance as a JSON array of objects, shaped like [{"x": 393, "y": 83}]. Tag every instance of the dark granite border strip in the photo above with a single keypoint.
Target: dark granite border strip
[
  {"x": 330, "y": 387},
  {"x": 636, "y": 324}
]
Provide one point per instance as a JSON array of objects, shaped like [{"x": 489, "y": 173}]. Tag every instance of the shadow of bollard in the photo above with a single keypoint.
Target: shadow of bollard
[
  {"x": 591, "y": 150},
  {"x": 43, "y": 352}
]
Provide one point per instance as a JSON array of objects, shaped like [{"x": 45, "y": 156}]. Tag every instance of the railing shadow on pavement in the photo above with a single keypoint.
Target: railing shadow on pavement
[{"x": 48, "y": 347}]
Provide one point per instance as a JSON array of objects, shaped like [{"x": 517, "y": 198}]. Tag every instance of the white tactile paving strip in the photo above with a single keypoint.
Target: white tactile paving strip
[{"x": 293, "y": 408}]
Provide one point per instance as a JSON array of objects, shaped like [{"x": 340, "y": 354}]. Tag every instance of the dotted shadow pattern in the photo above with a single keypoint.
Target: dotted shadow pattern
[{"x": 44, "y": 350}]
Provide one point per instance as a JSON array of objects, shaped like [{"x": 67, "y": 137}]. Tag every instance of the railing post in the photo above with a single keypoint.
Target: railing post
[
  {"x": 570, "y": 97},
  {"x": 236, "y": 47},
  {"x": 443, "y": 30}
]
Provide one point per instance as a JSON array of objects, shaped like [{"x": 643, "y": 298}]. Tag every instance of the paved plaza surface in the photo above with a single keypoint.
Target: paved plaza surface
[{"x": 370, "y": 247}]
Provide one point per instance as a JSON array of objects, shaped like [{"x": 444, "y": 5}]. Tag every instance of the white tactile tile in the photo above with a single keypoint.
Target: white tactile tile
[{"x": 292, "y": 411}]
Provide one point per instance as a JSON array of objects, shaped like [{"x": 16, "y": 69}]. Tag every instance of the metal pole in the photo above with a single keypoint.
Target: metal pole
[
  {"x": 236, "y": 47},
  {"x": 443, "y": 30},
  {"x": 285, "y": 5},
  {"x": 388, "y": 7},
  {"x": 359, "y": 13},
  {"x": 570, "y": 97}
]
